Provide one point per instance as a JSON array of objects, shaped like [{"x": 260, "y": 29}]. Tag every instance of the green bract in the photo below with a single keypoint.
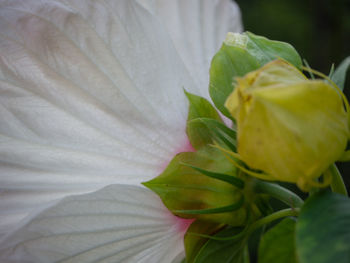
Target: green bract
[
  {"x": 240, "y": 54},
  {"x": 198, "y": 133},
  {"x": 189, "y": 193},
  {"x": 289, "y": 127}
]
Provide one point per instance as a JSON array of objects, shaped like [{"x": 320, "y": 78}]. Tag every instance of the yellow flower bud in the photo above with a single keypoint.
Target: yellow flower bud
[{"x": 288, "y": 126}]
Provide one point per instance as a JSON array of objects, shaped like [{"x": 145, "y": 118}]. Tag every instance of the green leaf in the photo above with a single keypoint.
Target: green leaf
[
  {"x": 193, "y": 242},
  {"x": 200, "y": 108},
  {"x": 240, "y": 54},
  {"x": 198, "y": 133},
  {"x": 339, "y": 75},
  {"x": 229, "y": 62},
  {"x": 278, "y": 244},
  {"x": 323, "y": 229},
  {"x": 224, "y": 251},
  {"x": 266, "y": 50},
  {"x": 183, "y": 188}
]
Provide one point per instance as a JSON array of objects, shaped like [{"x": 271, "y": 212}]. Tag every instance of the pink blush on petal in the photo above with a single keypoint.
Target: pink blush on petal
[
  {"x": 184, "y": 147},
  {"x": 187, "y": 147},
  {"x": 182, "y": 224}
]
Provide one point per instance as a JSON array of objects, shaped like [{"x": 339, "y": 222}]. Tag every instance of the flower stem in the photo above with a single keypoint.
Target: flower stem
[
  {"x": 337, "y": 184},
  {"x": 257, "y": 224},
  {"x": 277, "y": 215},
  {"x": 278, "y": 192}
]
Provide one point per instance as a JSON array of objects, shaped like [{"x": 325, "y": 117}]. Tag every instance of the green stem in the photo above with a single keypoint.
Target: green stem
[
  {"x": 257, "y": 224},
  {"x": 337, "y": 184},
  {"x": 277, "y": 215},
  {"x": 278, "y": 192}
]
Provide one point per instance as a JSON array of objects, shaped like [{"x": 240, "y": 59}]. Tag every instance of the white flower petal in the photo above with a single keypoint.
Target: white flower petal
[
  {"x": 197, "y": 28},
  {"x": 91, "y": 94},
  {"x": 119, "y": 223}
]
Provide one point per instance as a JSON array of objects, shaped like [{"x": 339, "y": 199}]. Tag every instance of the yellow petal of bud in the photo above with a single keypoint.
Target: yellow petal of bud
[{"x": 288, "y": 126}]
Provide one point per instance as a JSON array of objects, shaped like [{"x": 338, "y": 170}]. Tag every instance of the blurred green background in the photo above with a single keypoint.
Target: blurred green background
[{"x": 318, "y": 29}]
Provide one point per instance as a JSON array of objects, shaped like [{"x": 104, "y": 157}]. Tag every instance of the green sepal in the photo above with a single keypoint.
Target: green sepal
[
  {"x": 198, "y": 133},
  {"x": 193, "y": 241},
  {"x": 339, "y": 75},
  {"x": 323, "y": 229},
  {"x": 183, "y": 188},
  {"x": 219, "y": 133},
  {"x": 278, "y": 243},
  {"x": 240, "y": 54},
  {"x": 224, "y": 251}
]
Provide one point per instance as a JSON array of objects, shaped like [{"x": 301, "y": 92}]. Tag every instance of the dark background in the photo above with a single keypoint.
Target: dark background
[{"x": 318, "y": 29}]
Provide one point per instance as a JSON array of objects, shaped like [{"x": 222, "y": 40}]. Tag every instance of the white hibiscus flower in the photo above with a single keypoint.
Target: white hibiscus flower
[{"x": 91, "y": 95}]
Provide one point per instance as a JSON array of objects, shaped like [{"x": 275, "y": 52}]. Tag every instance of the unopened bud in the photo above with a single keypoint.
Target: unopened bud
[{"x": 290, "y": 127}]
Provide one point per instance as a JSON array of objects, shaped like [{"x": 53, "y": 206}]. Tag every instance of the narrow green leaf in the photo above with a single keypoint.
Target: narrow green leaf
[
  {"x": 217, "y": 210},
  {"x": 331, "y": 71},
  {"x": 198, "y": 134},
  {"x": 323, "y": 229},
  {"x": 220, "y": 176},
  {"x": 225, "y": 141},
  {"x": 309, "y": 69},
  {"x": 278, "y": 244},
  {"x": 213, "y": 124},
  {"x": 219, "y": 132},
  {"x": 337, "y": 184},
  {"x": 339, "y": 75},
  {"x": 240, "y": 54},
  {"x": 224, "y": 251}
]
